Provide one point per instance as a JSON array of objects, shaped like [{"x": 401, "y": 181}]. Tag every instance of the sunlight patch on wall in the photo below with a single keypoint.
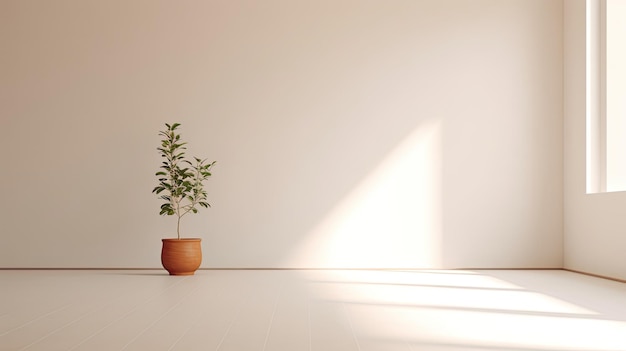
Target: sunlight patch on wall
[{"x": 391, "y": 219}]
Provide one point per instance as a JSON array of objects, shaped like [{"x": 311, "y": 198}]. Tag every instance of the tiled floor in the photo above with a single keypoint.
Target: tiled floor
[{"x": 311, "y": 310}]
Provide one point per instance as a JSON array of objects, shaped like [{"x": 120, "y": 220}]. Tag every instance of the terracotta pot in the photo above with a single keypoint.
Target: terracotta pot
[{"x": 181, "y": 256}]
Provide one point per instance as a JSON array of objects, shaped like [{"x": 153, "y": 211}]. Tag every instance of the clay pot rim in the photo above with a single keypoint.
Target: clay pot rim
[{"x": 181, "y": 239}]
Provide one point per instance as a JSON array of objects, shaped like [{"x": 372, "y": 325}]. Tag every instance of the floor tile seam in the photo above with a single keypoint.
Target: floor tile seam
[
  {"x": 274, "y": 308},
  {"x": 309, "y": 322},
  {"x": 74, "y": 321},
  {"x": 223, "y": 291},
  {"x": 35, "y": 320},
  {"x": 182, "y": 299},
  {"x": 350, "y": 324},
  {"x": 72, "y": 301},
  {"x": 196, "y": 321},
  {"x": 49, "y": 334},
  {"x": 65, "y": 302},
  {"x": 125, "y": 315},
  {"x": 79, "y": 318},
  {"x": 121, "y": 293},
  {"x": 244, "y": 301}
]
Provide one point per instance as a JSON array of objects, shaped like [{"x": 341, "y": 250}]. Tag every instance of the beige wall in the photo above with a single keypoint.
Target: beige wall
[
  {"x": 348, "y": 133},
  {"x": 594, "y": 223}
]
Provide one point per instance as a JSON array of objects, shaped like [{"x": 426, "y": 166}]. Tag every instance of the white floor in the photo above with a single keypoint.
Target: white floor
[{"x": 311, "y": 310}]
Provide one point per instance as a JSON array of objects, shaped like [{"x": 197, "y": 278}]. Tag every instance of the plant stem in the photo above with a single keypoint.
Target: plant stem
[{"x": 178, "y": 215}]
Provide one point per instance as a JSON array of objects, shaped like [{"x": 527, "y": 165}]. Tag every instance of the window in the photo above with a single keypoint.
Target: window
[{"x": 606, "y": 95}]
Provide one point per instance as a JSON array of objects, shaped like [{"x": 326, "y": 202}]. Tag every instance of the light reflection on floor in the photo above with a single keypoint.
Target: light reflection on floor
[{"x": 464, "y": 310}]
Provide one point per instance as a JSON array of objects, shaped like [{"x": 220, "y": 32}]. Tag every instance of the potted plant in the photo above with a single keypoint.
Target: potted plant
[{"x": 181, "y": 187}]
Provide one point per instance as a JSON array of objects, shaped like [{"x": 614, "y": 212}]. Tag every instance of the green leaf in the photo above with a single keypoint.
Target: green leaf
[{"x": 180, "y": 187}]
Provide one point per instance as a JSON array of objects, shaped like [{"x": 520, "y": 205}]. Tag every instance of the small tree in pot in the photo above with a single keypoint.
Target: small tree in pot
[{"x": 181, "y": 187}]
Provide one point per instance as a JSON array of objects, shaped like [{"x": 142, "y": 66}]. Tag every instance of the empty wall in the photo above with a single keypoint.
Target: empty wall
[{"x": 412, "y": 134}]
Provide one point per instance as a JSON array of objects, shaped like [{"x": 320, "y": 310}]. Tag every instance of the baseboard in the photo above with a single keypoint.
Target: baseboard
[
  {"x": 271, "y": 269},
  {"x": 595, "y": 275}
]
